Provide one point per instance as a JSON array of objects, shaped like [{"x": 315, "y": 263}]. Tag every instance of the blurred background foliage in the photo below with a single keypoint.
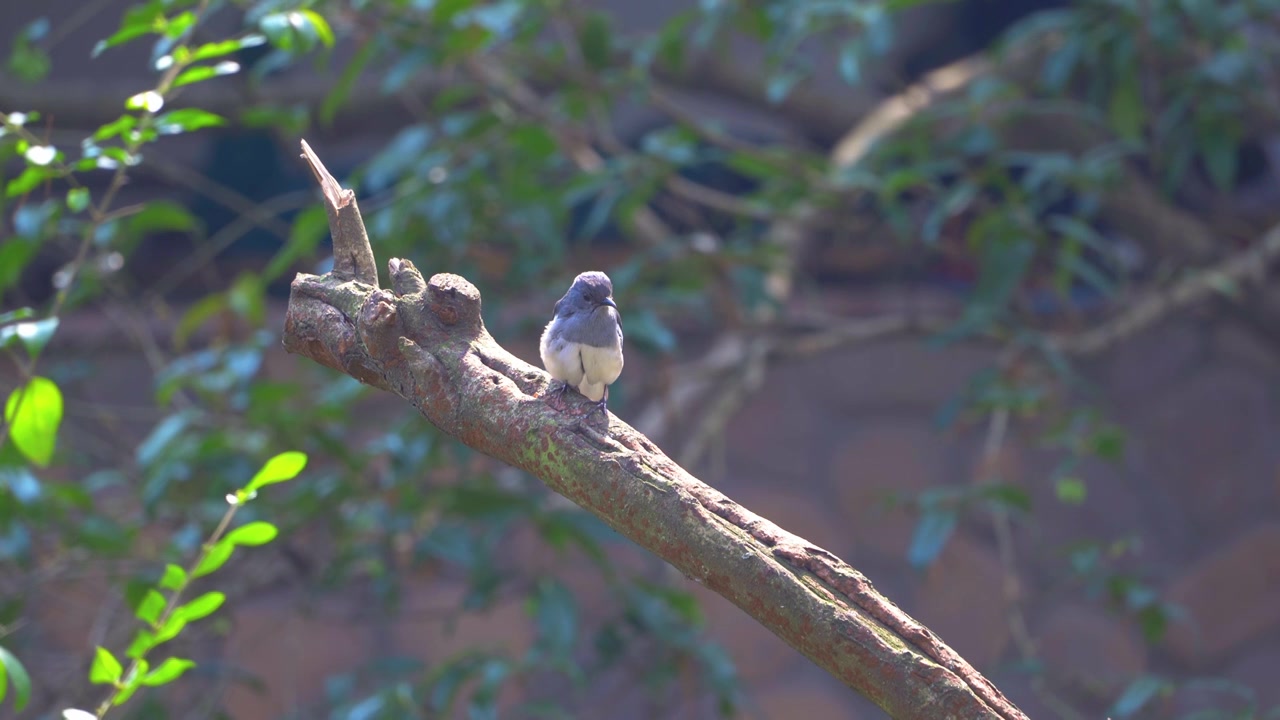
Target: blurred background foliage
[{"x": 1045, "y": 190}]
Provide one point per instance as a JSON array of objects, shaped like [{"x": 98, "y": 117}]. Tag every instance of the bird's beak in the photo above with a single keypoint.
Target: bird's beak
[{"x": 609, "y": 301}]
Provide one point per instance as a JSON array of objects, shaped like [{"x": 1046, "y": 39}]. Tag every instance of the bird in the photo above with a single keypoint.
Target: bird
[{"x": 582, "y": 345}]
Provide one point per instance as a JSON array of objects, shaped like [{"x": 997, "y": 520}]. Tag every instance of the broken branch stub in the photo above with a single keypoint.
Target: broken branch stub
[{"x": 425, "y": 341}]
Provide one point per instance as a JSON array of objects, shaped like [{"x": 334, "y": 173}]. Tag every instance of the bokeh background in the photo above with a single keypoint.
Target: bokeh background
[{"x": 978, "y": 295}]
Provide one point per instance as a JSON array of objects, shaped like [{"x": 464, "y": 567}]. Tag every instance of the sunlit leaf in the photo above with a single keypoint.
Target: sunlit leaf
[
  {"x": 174, "y": 577},
  {"x": 215, "y": 558},
  {"x": 12, "y": 673},
  {"x": 149, "y": 609},
  {"x": 187, "y": 120},
  {"x": 254, "y": 533},
  {"x": 106, "y": 669},
  {"x": 280, "y": 468},
  {"x": 33, "y": 413},
  {"x": 169, "y": 670},
  {"x": 202, "y": 606}
]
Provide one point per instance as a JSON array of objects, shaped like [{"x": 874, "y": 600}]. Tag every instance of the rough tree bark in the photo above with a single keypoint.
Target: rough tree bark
[{"x": 425, "y": 341}]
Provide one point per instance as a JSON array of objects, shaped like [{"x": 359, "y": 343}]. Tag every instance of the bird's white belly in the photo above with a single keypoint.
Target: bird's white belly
[
  {"x": 560, "y": 358},
  {"x": 601, "y": 366}
]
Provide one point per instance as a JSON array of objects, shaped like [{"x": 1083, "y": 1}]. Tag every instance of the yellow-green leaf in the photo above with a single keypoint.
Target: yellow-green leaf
[
  {"x": 33, "y": 414},
  {"x": 254, "y": 533},
  {"x": 280, "y": 468},
  {"x": 169, "y": 670},
  {"x": 106, "y": 668},
  {"x": 202, "y": 606}
]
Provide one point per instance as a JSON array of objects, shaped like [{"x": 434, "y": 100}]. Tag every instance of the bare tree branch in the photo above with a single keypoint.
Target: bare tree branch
[{"x": 426, "y": 342}]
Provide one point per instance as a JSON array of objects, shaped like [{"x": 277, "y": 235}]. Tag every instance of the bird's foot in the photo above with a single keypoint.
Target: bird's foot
[{"x": 556, "y": 392}]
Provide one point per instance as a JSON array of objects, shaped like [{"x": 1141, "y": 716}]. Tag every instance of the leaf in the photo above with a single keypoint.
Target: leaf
[
  {"x": 161, "y": 216},
  {"x": 1108, "y": 443},
  {"x": 131, "y": 682},
  {"x": 106, "y": 669},
  {"x": 15, "y": 253},
  {"x": 1138, "y": 694},
  {"x": 149, "y": 609},
  {"x": 138, "y": 21},
  {"x": 201, "y": 73},
  {"x": 252, "y": 534},
  {"x": 1008, "y": 497},
  {"x": 556, "y": 616},
  {"x": 187, "y": 120},
  {"x": 174, "y": 577},
  {"x": 214, "y": 558},
  {"x": 1125, "y": 108},
  {"x": 595, "y": 41},
  {"x": 143, "y": 641},
  {"x": 77, "y": 199},
  {"x": 168, "y": 671},
  {"x": 930, "y": 536},
  {"x": 13, "y": 673},
  {"x": 201, "y": 607},
  {"x": 29, "y": 180},
  {"x": 33, "y": 336},
  {"x": 278, "y": 469},
  {"x": 170, "y": 630},
  {"x": 1070, "y": 490},
  {"x": 33, "y": 413}
]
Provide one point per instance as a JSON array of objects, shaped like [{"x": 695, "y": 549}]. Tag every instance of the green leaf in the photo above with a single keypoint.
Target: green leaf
[
  {"x": 169, "y": 670},
  {"x": 187, "y": 120},
  {"x": 33, "y": 413},
  {"x": 131, "y": 682},
  {"x": 33, "y": 336},
  {"x": 1009, "y": 497},
  {"x": 317, "y": 26},
  {"x": 150, "y": 608},
  {"x": 170, "y": 630},
  {"x": 1125, "y": 108},
  {"x": 12, "y": 672},
  {"x": 1108, "y": 443},
  {"x": 213, "y": 50},
  {"x": 116, "y": 127},
  {"x": 138, "y": 21},
  {"x": 78, "y": 199},
  {"x": 161, "y": 216},
  {"x": 201, "y": 73},
  {"x": 255, "y": 533},
  {"x": 143, "y": 641},
  {"x": 29, "y": 180},
  {"x": 1070, "y": 490},
  {"x": 280, "y": 468},
  {"x": 174, "y": 577},
  {"x": 106, "y": 668},
  {"x": 202, "y": 606},
  {"x": 215, "y": 558},
  {"x": 15, "y": 253},
  {"x": 595, "y": 40}
]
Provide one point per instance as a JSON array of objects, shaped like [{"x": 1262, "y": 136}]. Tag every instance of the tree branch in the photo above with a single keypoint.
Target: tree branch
[{"x": 425, "y": 341}]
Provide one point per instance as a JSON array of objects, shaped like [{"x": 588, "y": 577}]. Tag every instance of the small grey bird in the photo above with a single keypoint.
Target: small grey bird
[{"x": 582, "y": 345}]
